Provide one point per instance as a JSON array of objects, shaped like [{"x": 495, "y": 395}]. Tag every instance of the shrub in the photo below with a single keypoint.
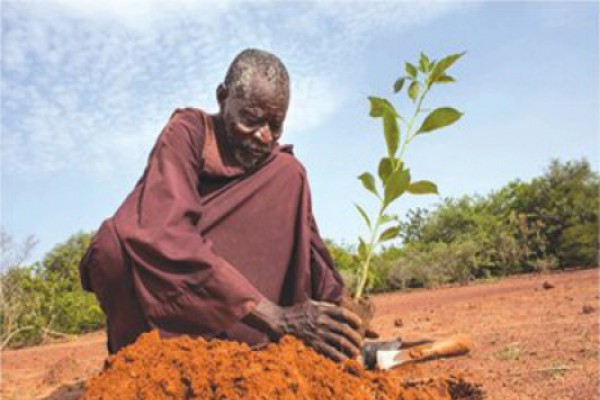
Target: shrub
[
  {"x": 579, "y": 246},
  {"x": 433, "y": 264},
  {"x": 46, "y": 300}
]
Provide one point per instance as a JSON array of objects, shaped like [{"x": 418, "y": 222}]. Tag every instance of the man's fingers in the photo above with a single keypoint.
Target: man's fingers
[
  {"x": 343, "y": 315},
  {"x": 341, "y": 343},
  {"x": 328, "y": 351},
  {"x": 331, "y": 325}
]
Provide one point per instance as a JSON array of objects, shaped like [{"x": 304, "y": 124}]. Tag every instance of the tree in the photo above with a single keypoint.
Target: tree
[
  {"x": 565, "y": 200},
  {"x": 45, "y": 299},
  {"x": 63, "y": 259},
  {"x": 14, "y": 254},
  {"x": 525, "y": 226},
  {"x": 12, "y": 305}
]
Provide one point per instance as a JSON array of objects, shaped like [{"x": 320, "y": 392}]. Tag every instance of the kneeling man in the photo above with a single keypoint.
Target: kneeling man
[{"x": 217, "y": 238}]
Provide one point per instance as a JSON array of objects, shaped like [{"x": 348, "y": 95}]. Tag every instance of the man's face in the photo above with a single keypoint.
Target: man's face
[{"x": 254, "y": 121}]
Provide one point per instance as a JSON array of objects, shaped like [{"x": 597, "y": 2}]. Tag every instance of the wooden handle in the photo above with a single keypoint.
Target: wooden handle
[{"x": 450, "y": 347}]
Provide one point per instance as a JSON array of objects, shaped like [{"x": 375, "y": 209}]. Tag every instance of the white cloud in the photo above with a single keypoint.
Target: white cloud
[
  {"x": 314, "y": 99},
  {"x": 89, "y": 83},
  {"x": 134, "y": 14}
]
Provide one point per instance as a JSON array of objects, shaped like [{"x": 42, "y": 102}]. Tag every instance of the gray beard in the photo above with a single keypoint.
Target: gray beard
[
  {"x": 243, "y": 154},
  {"x": 246, "y": 160}
]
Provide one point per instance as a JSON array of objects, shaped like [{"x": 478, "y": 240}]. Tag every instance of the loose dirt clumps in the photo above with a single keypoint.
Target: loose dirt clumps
[{"x": 186, "y": 368}]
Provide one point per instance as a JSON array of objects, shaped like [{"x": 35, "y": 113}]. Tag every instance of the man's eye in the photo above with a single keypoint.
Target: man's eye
[{"x": 252, "y": 121}]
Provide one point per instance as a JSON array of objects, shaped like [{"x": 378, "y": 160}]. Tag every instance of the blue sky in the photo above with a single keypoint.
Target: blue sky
[{"x": 87, "y": 87}]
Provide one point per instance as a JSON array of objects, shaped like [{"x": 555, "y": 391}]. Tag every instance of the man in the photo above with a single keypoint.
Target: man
[{"x": 217, "y": 238}]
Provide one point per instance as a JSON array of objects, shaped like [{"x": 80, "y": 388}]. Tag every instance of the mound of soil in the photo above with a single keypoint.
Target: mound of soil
[{"x": 186, "y": 368}]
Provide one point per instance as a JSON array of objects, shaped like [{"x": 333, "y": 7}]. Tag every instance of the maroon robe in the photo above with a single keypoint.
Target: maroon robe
[{"x": 196, "y": 245}]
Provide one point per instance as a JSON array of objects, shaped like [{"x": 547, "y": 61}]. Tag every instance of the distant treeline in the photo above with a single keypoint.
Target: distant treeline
[{"x": 548, "y": 223}]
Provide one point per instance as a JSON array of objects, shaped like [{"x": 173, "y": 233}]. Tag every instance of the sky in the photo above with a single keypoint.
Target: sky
[{"x": 87, "y": 86}]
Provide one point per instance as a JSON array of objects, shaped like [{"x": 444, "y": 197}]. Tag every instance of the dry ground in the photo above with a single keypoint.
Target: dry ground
[{"x": 529, "y": 342}]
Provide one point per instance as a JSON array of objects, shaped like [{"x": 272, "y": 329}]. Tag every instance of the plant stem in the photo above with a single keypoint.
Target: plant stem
[
  {"x": 374, "y": 232},
  {"x": 410, "y": 137},
  {"x": 13, "y": 333},
  {"x": 370, "y": 249}
]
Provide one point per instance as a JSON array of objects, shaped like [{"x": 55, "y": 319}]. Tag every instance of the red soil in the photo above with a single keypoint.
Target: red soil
[
  {"x": 185, "y": 368},
  {"x": 529, "y": 342}
]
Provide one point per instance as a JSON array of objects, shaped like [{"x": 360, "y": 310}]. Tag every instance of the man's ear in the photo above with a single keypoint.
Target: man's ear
[{"x": 222, "y": 93}]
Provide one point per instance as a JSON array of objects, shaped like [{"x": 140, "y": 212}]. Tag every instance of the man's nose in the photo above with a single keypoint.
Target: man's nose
[{"x": 264, "y": 134}]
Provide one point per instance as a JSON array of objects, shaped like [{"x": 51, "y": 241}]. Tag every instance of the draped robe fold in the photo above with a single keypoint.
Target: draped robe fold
[{"x": 193, "y": 249}]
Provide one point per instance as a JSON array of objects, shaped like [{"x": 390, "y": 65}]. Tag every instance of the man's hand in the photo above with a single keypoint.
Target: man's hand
[
  {"x": 329, "y": 329},
  {"x": 365, "y": 309}
]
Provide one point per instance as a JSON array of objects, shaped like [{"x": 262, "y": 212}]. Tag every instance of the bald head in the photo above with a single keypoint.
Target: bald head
[{"x": 252, "y": 66}]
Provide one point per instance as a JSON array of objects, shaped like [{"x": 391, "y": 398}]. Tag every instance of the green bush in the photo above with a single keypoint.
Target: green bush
[
  {"x": 550, "y": 222},
  {"x": 565, "y": 202},
  {"x": 433, "y": 264},
  {"x": 578, "y": 245},
  {"x": 46, "y": 300}
]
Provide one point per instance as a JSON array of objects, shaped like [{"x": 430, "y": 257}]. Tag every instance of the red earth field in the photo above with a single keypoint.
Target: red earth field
[{"x": 535, "y": 337}]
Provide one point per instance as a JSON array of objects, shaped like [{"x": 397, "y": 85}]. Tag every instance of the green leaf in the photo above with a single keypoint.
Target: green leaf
[
  {"x": 362, "y": 249},
  {"x": 384, "y": 219},
  {"x": 363, "y": 214},
  {"x": 423, "y": 63},
  {"x": 423, "y": 187},
  {"x": 391, "y": 131},
  {"x": 411, "y": 70},
  {"x": 413, "y": 90},
  {"x": 439, "y": 118},
  {"x": 432, "y": 65},
  {"x": 398, "y": 84},
  {"x": 381, "y": 107},
  {"x": 389, "y": 234},
  {"x": 442, "y": 65},
  {"x": 385, "y": 169},
  {"x": 369, "y": 183},
  {"x": 445, "y": 79},
  {"x": 396, "y": 185}
]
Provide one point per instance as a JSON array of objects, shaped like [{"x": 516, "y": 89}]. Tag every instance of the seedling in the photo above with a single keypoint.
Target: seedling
[{"x": 394, "y": 176}]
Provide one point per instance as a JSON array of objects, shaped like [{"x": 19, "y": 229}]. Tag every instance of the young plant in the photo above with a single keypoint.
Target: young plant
[{"x": 394, "y": 176}]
